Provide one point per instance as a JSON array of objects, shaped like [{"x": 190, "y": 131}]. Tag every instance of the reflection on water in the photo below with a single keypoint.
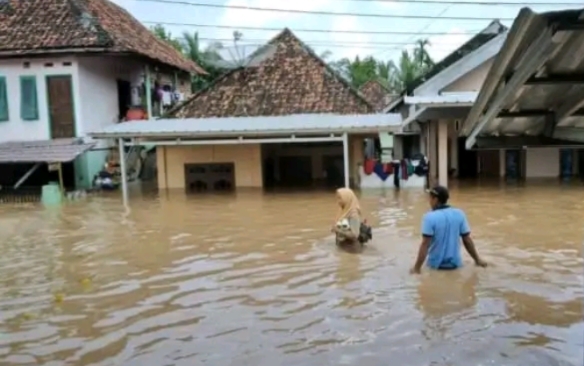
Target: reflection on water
[{"x": 255, "y": 279}]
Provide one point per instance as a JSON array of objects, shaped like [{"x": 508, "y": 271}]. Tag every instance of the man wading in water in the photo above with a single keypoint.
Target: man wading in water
[{"x": 441, "y": 229}]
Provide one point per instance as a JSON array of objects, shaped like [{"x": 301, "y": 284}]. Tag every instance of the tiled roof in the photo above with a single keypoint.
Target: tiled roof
[
  {"x": 46, "y": 151},
  {"x": 376, "y": 94},
  {"x": 42, "y": 26},
  {"x": 291, "y": 79}
]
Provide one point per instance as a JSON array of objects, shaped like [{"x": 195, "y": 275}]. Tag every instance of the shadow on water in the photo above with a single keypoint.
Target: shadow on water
[{"x": 253, "y": 278}]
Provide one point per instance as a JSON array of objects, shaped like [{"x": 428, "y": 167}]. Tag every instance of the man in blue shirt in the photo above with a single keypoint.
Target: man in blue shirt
[{"x": 442, "y": 229}]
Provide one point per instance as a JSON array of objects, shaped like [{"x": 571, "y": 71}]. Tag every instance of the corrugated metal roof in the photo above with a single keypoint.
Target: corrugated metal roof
[
  {"x": 300, "y": 124},
  {"x": 532, "y": 81},
  {"x": 463, "y": 98},
  {"x": 46, "y": 151}
]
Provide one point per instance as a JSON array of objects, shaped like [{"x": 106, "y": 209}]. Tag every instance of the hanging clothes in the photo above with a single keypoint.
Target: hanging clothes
[
  {"x": 404, "y": 170},
  {"x": 369, "y": 166},
  {"x": 410, "y": 167},
  {"x": 380, "y": 171},
  {"x": 166, "y": 98},
  {"x": 388, "y": 168},
  {"x": 396, "y": 174}
]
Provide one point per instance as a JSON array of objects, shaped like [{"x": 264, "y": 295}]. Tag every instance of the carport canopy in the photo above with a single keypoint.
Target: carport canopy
[
  {"x": 442, "y": 106},
  {"x": 44, "y": 151},
  {"x": 535, "y": 89}
]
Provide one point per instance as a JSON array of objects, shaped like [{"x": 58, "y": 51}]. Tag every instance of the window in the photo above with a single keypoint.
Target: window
[
  {"x": 3, "y": 100},
  {"x": 29, "y": 109}
]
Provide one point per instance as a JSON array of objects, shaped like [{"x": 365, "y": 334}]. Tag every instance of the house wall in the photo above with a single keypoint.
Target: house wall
[
  {"x": 472, "y": 81},
  {"x": 171, "y": 160},
  {"x": 542, "y": 163},
  {"x": 16, "y": 129}
]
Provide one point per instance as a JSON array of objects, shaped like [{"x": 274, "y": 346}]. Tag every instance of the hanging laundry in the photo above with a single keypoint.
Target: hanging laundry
[
  {"x": 422, "y": 169},
  {"x": 404, "y": 170},
  {"x": 166, "y": 98},
  {"x": 380, "y": 171},
  {"x": 396, "y": 174},
  {"x": 410, "y": 167},
  {"x": 369, "y": 166},
  {"x": 388, "y": 168}
]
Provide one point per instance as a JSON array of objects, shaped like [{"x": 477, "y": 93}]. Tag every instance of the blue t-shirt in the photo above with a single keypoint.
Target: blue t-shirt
[{"x": 445, "y": 225}]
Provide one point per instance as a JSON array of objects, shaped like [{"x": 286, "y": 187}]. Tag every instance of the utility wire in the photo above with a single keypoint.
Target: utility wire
[
  {"x": 468, "y": 2},
  {"x": 316, "y": 43},
  {"x": 395, "y": 33},
  {"x": 318, "y": 12}
]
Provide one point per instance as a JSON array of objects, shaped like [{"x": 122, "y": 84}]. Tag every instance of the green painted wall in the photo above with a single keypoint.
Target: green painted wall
[{"x": 87, "y": 166}]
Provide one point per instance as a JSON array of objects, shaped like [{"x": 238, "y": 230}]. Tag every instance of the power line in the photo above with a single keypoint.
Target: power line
[
  {"x": 242, "y": 28},
  {"x": 319, "y": 12},
  {"x": 467, "y": 2},
  {"x": 317, "y": 43}
]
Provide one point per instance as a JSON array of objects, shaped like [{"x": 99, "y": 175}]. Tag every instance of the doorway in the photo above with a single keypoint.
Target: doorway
[
  {"x": 61, "y": 106},
  {"x": 295, "y": 171},
  {"x": 124, "y": 97},
  {"x": 467, "y": 161},
  {"x": 335, "y": 172}
]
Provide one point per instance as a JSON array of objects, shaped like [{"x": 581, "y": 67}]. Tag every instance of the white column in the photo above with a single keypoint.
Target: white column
[
  {"x": 123, "y": 171},
  {"x": 432, "y": 151},
  {"x": 454, "y": 149},
  {"x": 443, "y": 153},
  {"x": 148, "y": 91},
  {"x": 346, "y": 159}
]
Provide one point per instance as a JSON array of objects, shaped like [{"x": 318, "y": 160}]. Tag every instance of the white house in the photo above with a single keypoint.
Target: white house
[{"x": 70, "y": 67}]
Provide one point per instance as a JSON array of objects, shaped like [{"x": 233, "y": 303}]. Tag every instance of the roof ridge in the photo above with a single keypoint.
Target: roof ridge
[{"x": 338, "y": 76}]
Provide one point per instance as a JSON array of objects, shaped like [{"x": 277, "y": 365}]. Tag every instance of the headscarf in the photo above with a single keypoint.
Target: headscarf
[{"x": 350, "y": 204}]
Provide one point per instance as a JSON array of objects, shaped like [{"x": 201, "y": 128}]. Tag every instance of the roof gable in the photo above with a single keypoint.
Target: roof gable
[
  {"x": 41, "y": 26},
  {"x": 376, "y": 93},
  {"x": 290, "y": 80}
]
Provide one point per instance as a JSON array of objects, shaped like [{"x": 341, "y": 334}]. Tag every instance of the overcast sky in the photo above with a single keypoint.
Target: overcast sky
[{"x": 352, "y": 44}]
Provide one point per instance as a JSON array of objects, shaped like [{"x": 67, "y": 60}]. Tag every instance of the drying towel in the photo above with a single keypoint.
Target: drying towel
[
  {"x": 369, "y": 166},
  {"x": 388, "y": 168},
  {"x": 404, "y": 170},
  {"x": 380, "y": 171}
]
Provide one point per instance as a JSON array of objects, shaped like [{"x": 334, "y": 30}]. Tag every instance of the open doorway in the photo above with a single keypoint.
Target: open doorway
[
  {"x": 302, "y": 165},
  {"x": 467, "y": 161},
  {"x": 124, "y": 97}
]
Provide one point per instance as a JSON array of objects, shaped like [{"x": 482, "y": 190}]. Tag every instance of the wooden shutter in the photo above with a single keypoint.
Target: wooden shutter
[
  {"x": 29, "y": 108},
  {"x": 4, "y": 116}
]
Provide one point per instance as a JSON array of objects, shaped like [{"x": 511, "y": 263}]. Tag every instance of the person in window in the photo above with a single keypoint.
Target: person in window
[
  {"x": 348, "y": 222},
  {"x": 442, "y": 229}
]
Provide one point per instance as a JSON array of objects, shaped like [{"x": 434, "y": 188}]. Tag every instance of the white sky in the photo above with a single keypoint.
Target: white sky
[{"x": 354, "y": 44}]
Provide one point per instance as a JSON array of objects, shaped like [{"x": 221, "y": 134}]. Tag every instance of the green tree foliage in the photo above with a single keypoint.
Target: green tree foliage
[
  {"x": 397, "y": 77},
  {"x": 189, "y": 45}
]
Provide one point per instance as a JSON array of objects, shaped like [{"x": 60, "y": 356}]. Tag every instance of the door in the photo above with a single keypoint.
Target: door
[
  {"x": 61, "y": 111},
  {"x": 335, "y": 170},
  {"x": 124, "y": 97},
  {"x": 295, "y": 171}
]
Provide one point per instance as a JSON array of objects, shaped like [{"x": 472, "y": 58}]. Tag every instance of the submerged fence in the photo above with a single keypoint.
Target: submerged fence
[{"x": 20, "y": 195}]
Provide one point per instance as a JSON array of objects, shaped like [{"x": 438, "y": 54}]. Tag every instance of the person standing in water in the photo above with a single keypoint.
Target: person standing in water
[
  {"x": 442, "y": 229},
  {"x": 348, "y": 222}
]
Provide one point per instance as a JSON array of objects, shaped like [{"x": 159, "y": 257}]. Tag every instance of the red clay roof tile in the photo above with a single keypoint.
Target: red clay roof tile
[
  {"x": 290, "y": 80},
  {"x": 40, "y": 26},
  {"x": 376, "y": 94}
]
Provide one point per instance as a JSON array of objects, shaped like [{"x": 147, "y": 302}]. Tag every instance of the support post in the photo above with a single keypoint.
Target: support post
[
  {"x": 61, "y": 183},
  {"x": 443, "y": 153},
  {"x": 148, "y": 91},
  {"x": 346, "y": 158},
  {"x": 532, "y": 60},
  {"x": 123, "y": 172},
  {"x": 26, "y": 175}
]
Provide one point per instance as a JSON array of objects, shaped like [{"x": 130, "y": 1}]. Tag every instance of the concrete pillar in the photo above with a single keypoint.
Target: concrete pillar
[
  {"x": 432, "y": 151},
  {"x": 424, "y": 139},
  {"x": 398, "y": 147},
  {"x": 124, "y": 172},
  {"x": 346, "y": 170},
  {"x": 443, "y": 152},
  {"x": 356, "y": 158},
  {"x": 453, "y": 151},
  {"x": 502, "y": 163}
]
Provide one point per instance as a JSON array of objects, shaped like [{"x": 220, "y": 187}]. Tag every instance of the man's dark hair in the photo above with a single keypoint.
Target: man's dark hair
[{"x": 441, "y": 194}]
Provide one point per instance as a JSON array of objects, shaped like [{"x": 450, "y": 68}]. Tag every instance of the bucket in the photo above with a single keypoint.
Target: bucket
[{"x": 51, "y": 194}]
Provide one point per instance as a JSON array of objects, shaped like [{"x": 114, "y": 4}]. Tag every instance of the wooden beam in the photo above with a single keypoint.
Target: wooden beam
[
  {"x": 534, "y": 58},
  {"x": 507, "y": 142},
  {"x": 556, "y": 79}
]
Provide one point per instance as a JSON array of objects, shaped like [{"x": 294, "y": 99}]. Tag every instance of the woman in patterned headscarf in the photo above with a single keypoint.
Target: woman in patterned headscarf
[{"x": 348, "y": 222}]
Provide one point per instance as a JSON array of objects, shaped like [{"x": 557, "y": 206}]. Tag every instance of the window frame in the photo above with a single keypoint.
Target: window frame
[{"x": 23, "y": 115}]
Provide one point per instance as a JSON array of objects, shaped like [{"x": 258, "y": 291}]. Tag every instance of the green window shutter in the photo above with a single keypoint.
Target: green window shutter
[
  {"x": 29, "y": 108},
  {"x": 4, "y": 116}
]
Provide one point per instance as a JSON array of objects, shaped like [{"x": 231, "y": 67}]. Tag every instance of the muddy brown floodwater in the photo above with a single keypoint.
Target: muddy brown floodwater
[{"x": 254, "y": 279}]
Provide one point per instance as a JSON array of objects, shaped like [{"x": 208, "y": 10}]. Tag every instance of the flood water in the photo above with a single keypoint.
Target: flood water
[{"x": 255, "y": 279}]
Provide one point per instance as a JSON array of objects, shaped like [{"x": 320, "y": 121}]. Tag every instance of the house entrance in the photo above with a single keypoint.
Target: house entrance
[
  {"x": 61, "y": 109},
  {"x": 301, "y": 165}
]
